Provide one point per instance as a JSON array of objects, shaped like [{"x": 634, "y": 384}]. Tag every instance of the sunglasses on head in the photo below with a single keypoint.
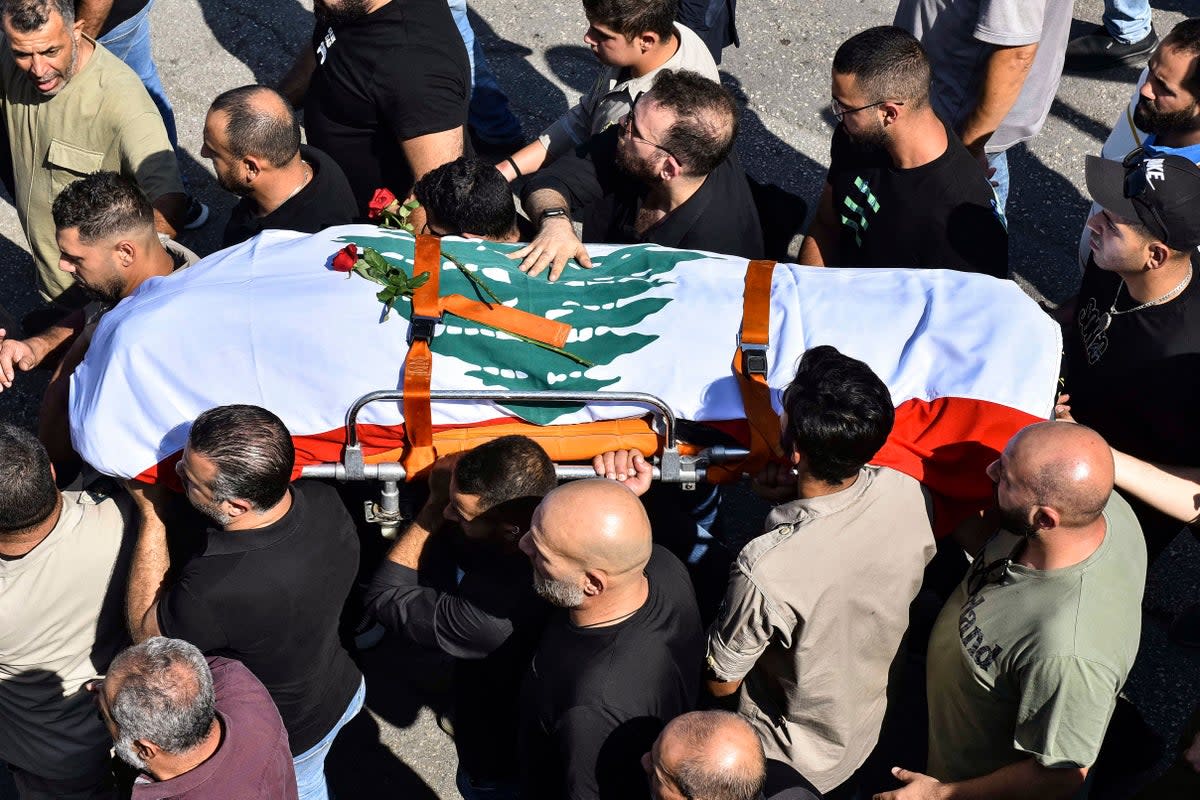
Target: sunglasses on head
[{"x": 1137, "y": 188}]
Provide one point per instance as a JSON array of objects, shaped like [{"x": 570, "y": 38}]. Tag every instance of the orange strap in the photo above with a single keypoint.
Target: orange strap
[
  {"x": 418, "y": 365},
  {"x": 750, "y": 368},
  {"x": 507, "y": 319}
]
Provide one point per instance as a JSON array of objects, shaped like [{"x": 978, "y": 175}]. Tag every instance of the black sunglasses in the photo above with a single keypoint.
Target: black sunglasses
[
  {"x": 1137, "y": 187},
  {"x": 995, "y": 571}
]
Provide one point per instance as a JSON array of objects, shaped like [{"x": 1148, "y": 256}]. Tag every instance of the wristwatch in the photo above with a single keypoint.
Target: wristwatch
[{"x": 553, "y": 212}]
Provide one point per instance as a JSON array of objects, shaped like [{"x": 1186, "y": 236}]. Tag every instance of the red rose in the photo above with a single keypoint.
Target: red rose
[
  {"x": 382, "y": 199},
  {"x": 345, "y": 259}
]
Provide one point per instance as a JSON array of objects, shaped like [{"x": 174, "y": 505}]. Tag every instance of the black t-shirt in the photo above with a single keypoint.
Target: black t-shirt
[
  {"x": 121, "y": 11},
  {"x": 720, "y": 217},
  {"x": 490, "y": 625},
  {"x": 942, "y": 214},
  {"x": 271, "y": 598},
  {"x": 326, "y": 200},
  {"x": 1137, "y": 382},
  {"x": 398, "y": 73},
  {"x": 595, "y": 699}
]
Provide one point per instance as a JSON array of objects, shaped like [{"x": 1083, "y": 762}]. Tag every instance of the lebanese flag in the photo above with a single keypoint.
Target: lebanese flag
[{"x": 969, "y": 359}]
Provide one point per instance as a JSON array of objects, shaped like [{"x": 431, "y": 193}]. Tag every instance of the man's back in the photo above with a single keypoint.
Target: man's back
[
  {"x": 595, "y": 698},
  {"x": 942, "y": 214},
  {"x": 271, "y": 597},
  {"x": 252, "y": 762},
  {"x": 819, "y": 605},
  {"x": 1025, "y": 662},
  {"x": 396, "y": 74},
  {"x": 61, "y": 622}
]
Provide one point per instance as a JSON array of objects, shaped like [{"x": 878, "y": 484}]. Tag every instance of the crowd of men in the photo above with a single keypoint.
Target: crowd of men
[{"x": 208, "y": 638}]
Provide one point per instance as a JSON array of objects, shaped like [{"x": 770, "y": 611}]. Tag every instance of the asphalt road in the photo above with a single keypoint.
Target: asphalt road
[{"x": 781, "y": 73}]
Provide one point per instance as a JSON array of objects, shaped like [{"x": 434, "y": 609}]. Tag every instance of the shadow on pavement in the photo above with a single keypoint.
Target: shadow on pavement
[
  {"x": 574, "y": 65},
  {"x": 536, "y": 101},
  {"x": 262, "y": 35}
]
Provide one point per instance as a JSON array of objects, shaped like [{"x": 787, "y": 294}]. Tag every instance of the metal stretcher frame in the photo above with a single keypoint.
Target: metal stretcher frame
[{"x": 671, "y": 466}]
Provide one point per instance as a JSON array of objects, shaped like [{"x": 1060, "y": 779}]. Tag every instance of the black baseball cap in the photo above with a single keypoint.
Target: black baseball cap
[{"x": 1162, "y": 192}]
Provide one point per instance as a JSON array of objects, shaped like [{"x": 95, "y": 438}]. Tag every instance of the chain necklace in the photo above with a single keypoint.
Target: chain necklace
[{"x": 1112, "y": 310}]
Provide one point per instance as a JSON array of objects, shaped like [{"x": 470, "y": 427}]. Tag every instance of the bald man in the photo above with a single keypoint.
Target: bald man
[
  {"x": 620, "y": 656},
  {"x": 1029, "y": 653},
  {"x": 711, "y": 754},
  {"x": 252, "y": 137}
]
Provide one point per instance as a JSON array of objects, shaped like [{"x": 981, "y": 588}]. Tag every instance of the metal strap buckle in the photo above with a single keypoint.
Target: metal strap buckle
[
  {"x": 421, "y": 328},
  {"x": 754, "y": 357}
]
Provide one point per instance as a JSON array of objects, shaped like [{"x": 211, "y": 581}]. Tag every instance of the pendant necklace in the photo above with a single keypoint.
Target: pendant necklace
[{"x": 1112, "y": 310}]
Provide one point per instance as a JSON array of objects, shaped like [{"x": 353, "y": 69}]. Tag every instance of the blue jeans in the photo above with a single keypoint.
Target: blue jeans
[
  {"x": 310, "y": 765},
  {"x": 130, "y": 42},
  {"x": 1000, "y": 162},
  {"x": 1127, "y": 20},
  {"x": 489, "y": 114}
]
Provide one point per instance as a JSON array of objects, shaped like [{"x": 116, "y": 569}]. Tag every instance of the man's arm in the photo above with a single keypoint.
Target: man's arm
[
  {"x": 739, "y": 636},
  {"x": 1172, "y": 490},
  {"x": 27, "y": 354},
  {"x": 556, "y": 242},
  {"x": 819, "y": 247},
  {"x": 151, "y": 560},
  {"x": 1023, "y": 780},
  {"x": 294, "y": 85},
  {"x": 529, "y": 158},
  {"x": 1006, "y": 71},
  {"x": 169, "y": 210},
  {"x": 428, "y": 152},
  {"x": 94, "y": 14}
]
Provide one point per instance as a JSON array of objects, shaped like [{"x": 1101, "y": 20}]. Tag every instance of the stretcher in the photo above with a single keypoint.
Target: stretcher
[{"x": 679, "y": 354}]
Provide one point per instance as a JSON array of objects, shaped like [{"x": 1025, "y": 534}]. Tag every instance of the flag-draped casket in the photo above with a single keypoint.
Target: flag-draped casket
[{"x": 968, "y": 359}]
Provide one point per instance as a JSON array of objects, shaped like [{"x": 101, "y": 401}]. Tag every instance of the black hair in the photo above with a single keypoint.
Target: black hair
[
  {"x": 270, "y": 131},
  {"x": 632, "y": 18},
  {"x": 1186, "y": 37},
  {"x": 29, "y": 496},
  {"x": 888, "y": 63},
  {"x": 505, "y": 469},
  {"x": 252, "y": 451},
  {"x": 468, "y": 195},
  {"x": 706, "y": 121},
  {"x": 103, "y": 205},
  {"x": 27, "y": 16},
  {"x": 839, "y": 413}
]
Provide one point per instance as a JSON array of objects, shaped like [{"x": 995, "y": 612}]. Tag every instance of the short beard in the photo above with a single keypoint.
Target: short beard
[
  {"x": 870, "y": 142},
  {"x": 344, "y": 13},
  {"x": 637, "y": 168},
  {"x": 213, "y": 512},
  {"x": 110, "y": 292},
  {"x": 1015, "y": 523},
  {"x": 560, "y": 593},
  {"x": 1147, "y": 119},
  {"x": 124, "y": 748}
]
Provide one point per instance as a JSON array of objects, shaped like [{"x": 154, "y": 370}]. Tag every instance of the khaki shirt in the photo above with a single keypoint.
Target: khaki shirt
[
  {"x": 61, "y": 622},
  {"x": 814, "y": 617},
  {"x": 103, "y": 119},
  {"x": 613, "y": 94}
]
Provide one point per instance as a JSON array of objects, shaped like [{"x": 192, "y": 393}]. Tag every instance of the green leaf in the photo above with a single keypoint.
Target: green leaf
[{"x": 372, "y": 257}]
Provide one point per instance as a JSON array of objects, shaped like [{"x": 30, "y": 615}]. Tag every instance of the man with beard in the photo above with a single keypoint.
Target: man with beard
[
  {"x": 106, "y": 239},
  {"x": 1028, "y": 655},
  {"x": 385, "y": 87},
  {"x": 268, "y": 588},
  {"x": 252, "y": 137},
  {"x": 72, "y": 109},
  {"x": 665, "y": 174},
  {"x": 902, "y": 190},
  {"x": 490, "y": 623},
  {"x": 618, "y": 659},
  {"x": 194, "y": 728},
  {"x": 1169, "y": 107}
]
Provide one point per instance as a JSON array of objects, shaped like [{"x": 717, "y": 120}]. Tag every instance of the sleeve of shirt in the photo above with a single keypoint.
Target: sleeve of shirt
[
  {"x": 436, "y": 620},
  {"x": 975, "y": 239},
  {"x": 574, "y": 127},
  {"x": 572, "y": 176},
  {"x": 1010, "y": 23},
  {"x": 146, "y": 155},
  {"x": 430, "y": 99},
  {"x": 742, "y": 630},
  {"x": 184, "y": 615},
  {"x": 1065, "y": 707}
]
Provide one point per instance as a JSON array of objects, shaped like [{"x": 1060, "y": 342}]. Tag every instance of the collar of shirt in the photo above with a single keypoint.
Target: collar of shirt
[{"x": 798, "y": 511}]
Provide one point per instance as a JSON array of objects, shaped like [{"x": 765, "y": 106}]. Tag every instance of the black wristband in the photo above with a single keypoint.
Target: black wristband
[{"x": 513, "y": 164}]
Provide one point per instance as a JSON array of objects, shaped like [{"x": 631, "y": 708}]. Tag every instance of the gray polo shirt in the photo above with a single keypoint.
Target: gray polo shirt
[
  {"x": 813, "y": 619},
  {"x": 960, "y": 35}
]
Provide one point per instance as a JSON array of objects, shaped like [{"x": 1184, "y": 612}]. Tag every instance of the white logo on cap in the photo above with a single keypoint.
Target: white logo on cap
[{"x": 1154, "y": 171}]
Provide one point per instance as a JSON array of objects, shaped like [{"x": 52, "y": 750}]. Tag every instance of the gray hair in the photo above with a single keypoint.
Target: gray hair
[
  {"x": 699, "y": 777},
  {"x": 27, "y": 16},
  {"x": 164, "y": 694}
]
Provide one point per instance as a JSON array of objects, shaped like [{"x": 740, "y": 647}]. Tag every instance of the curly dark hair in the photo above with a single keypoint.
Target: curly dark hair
[{"x": 103, "y": 205}]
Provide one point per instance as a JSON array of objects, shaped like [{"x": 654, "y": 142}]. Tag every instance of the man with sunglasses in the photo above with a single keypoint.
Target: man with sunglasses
[
  {"x": 1027, "y": 656},
  {"x": 1131, "y": 337},
  {"x": 902, "y": 191},
  {"x": 479, "y": 503},
  {"x": 666, "y": 174}
]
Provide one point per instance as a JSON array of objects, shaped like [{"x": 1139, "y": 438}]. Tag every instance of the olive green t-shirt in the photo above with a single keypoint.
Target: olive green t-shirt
[
  {"x": 1027, "y": 663},
  {"x": 102, "y": 119}
]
